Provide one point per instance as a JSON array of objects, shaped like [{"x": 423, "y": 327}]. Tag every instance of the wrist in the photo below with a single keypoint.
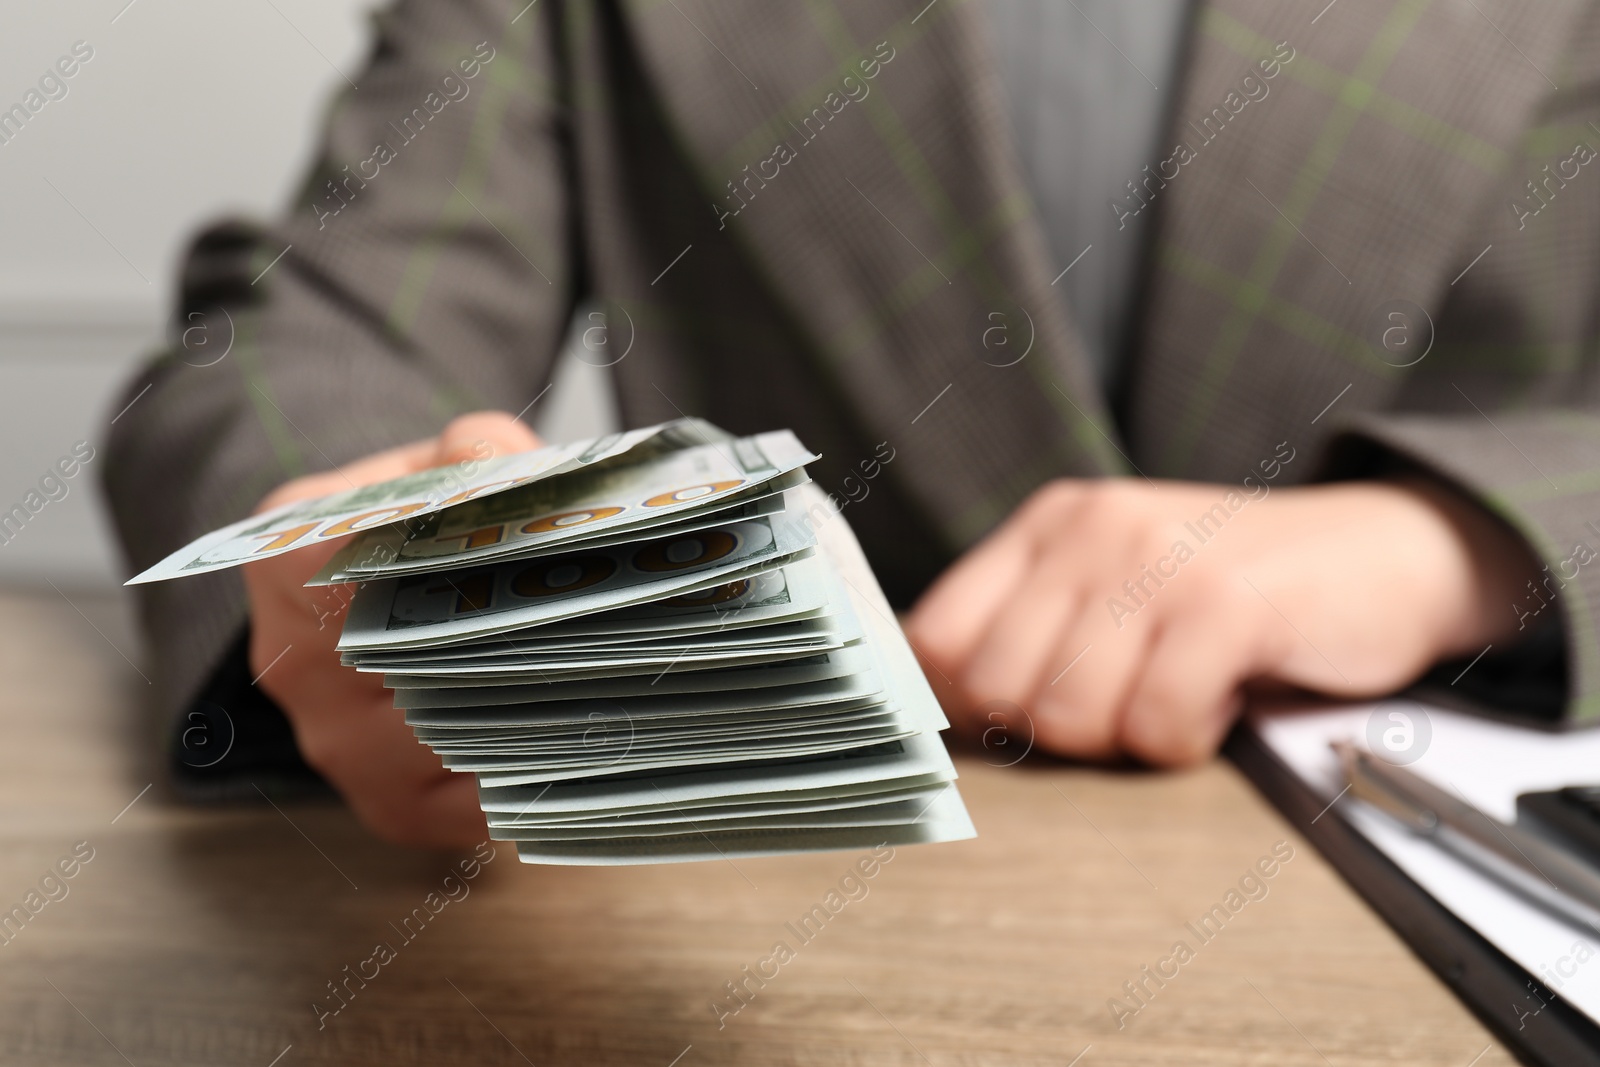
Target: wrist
[{"x": 1482, "y": 566}]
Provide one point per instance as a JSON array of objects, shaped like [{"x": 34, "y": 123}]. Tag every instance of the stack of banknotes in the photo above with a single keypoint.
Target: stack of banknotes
[{"x": 651, "y": 646}]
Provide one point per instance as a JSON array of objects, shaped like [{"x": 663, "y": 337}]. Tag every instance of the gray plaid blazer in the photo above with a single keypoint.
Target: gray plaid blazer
[{"x": 1376, "y": 238}]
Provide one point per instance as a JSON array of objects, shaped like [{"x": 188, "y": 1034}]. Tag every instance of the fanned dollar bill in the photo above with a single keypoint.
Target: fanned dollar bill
[
  {"x": 430, "y": 610},
  {"x": 694, "y": 487},
  {"x": 650, "y": 647},
  {"x": 308, "y": 522}
]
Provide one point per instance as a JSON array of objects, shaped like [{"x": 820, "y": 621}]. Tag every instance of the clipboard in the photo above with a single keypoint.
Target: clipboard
[{"x": 1527, "y": 1017}]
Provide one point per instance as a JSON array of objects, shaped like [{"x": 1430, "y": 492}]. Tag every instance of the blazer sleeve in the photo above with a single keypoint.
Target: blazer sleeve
[
  {"x": 423, "y": 270},
  {"x": 1534, "y": 469}
]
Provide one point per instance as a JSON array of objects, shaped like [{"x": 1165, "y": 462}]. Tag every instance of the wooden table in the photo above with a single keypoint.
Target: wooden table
[{"x": 206, "y": 935}]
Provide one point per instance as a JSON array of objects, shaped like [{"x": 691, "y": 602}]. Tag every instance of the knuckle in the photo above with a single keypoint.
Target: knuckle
[
  {"x": 1059, "y": 562},
  {"x": 1054, "y": 498},
  {"x": 1115, "y": 511},
  {"x": 1117, "y": 495},
  {"x": 465, "y": 425}
]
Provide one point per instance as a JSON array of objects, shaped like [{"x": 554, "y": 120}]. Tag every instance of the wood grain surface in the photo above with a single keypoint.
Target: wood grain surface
[{"x": 208, "y": 935}]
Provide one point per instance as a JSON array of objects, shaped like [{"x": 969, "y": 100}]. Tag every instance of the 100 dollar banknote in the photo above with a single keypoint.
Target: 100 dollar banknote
[
  {"x": 307, "y": 522},
  {"x": 423, "y": 611},
  {"x": 611, "y": 503}
]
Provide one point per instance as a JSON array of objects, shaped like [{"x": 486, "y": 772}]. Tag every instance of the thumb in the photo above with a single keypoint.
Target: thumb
[{"x": 482, "y": 434}]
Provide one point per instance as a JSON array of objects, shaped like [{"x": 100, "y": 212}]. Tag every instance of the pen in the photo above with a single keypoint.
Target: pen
[{"x": 1509, "y": 854}]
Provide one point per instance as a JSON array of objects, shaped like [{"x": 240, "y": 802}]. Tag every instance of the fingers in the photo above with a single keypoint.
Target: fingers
[
  {"x": 449, "y": 815},
  {"x": 1095, "y": 667},
  {"x": 378, "y": 467},
  {"x": 1187, "y": 694},
  {"x": 285, "y": 612},
  {"x": 951, "y": 620},
  {"x": 1133, "y": 625},
  {"x": 398, "y": 788},
  {"x": 482, "y": 434},
  {"x": 293, "y": 653},
  {"x": 344, "y": 721},
  {"x": 1016, "y": 651},
  {"x": 279, "y": 581},
  {"x": 347, "y": 728},
  {"x": 477, "y": 435}
]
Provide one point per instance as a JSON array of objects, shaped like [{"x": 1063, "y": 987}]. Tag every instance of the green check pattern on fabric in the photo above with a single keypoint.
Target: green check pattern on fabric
[{"x": 626, "y": 153}]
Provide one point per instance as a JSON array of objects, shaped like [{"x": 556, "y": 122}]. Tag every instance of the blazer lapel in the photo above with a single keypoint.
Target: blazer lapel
[
  {"x": 861, "y": 158},
  {"x": 1312, "y": 222}
]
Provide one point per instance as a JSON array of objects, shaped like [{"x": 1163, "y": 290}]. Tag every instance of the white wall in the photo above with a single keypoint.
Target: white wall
[{"x": 188, "y": 109}]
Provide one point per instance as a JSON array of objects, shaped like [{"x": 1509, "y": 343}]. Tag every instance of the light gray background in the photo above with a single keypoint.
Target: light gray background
[{"x": 188, "y": 110}]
